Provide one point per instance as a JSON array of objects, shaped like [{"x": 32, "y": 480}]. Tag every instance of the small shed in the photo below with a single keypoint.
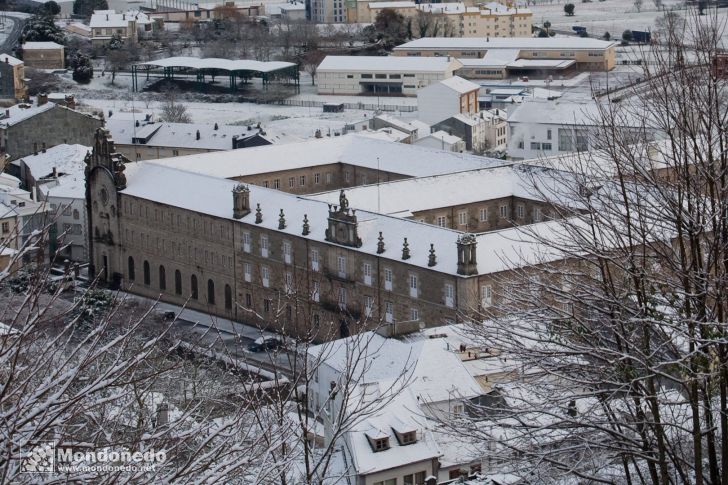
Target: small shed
[{"x": 333, "y": 107}]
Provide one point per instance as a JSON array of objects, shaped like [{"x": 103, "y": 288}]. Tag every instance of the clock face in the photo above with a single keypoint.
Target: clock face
[{"x": 104, "y": 196}]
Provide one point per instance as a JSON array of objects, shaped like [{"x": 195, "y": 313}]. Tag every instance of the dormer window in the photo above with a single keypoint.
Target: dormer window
[
  {"x": 380, "y": 444},
  {"x": 408, "y": 438}
]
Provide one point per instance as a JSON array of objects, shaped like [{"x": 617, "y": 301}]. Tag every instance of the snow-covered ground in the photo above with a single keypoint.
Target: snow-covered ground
[{"x": 613, "y": 16}]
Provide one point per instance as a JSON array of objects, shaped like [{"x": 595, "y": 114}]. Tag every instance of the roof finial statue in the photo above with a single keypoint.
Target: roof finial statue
[
  {"x": 380, "y": 244},
  {"x": 281, "y": 220},
  {"x": 306, "y": 227},
  {"x": 258, "y": 214},
  {"x": 343, "y": 202},
  {"x": 432, "y": 260},
  {"x": 405, "y": 249}
]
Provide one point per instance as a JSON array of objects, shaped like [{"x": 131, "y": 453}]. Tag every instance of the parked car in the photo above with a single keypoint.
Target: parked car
[{"x": 266, "y": 343}]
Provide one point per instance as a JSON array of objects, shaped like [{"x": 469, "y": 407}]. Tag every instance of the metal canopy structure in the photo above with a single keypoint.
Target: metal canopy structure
[{"x": 241, "y": 69}]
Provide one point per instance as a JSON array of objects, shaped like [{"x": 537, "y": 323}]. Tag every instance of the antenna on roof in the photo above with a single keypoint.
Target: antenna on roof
[{"x": 378, "y": 195}]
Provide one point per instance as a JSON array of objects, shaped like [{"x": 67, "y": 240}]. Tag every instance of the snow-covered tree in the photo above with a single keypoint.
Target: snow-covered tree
[
  {"x": 41, "y": 28},
  {"x": 618, "y": 326}
]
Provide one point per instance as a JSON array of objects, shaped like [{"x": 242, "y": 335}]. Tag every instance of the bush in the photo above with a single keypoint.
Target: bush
[
  {"x": 583, "y": 33},
  {"x": 87, "y": 7},
  {"x": 569, "y": 9},
  {"x": 627, "y": 36},
  {"x": 83, "y": 71},
  {"x": 606, "y": 36},
  {"x": 42, "y": 28}
]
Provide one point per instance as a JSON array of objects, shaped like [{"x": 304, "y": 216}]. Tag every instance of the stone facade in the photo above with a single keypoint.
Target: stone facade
[
  {"x": 320, "y": 178},
  {"x": 52, "y": 57},
  {"x": 49, "y": 128}
]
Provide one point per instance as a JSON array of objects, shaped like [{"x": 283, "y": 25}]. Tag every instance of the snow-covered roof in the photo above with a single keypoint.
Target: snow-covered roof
[
  {"x": 221, "y": 64},
  {"x": 460, "y": 85},
  {"x": 551, "y": 43},
  {"x": 21, "y": 112},
  {"x": 109, "y": 18},
  {"x": 558, "y": 112},
  {"x": 66, "y": 159},
  {"x": 384, "y": 63},
  {"x": 41, "y": 46},
  {"x": 10, "y": 60},
  {"x": 443, "y": 137},
  {"x": 400, "y": 4},
  {"x": 351, "y": 149},
  {"x": 9, "y": 180},
  {"x": 446, "y": 190},
  {"x": 182, "y": 135},
  {"x": 68, "y": 187},
  {"x": 541, "y": 64}
]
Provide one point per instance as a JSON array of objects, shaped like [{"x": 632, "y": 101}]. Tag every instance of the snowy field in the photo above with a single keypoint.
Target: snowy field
[{"x": 613, "y": 16}]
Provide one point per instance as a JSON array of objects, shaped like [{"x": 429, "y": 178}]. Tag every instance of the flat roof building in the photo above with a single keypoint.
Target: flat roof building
[
  {"x": 44, "y": 55},
  {"x": 378, "y": 75},
  {"x": 497, "y": 57}
]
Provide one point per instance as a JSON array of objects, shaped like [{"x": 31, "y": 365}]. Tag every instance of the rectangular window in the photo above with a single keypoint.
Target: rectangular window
[
  {"x": 441, "y": 221},
  {"x": 503, "y": 211},
  {"x": 380, "y": 76},
  {"x": 247, "y": 272},
  {"x": 287, "y": 256},
  {"x": 291, "y": 182},
  {"x": 289, "y": 282},
  {"x": 537, "y": 214},
  {"x": 265, "y": 184},
  {"x": 276, "y": 183},
  {"x": 368, "y": 306},
  {"x": 317, "y": 178},
  {"x": 449, "y": 295},
  {"x": 535, "y": 146},
  {"x": 388, "y": 279},
  {"x": 463, "y": 218},
  {"x": 366, "y": 76},
  {"x": 248, "y": 300},
  {"x": 368, "y": 274},
  {"x": 264, "y": 245},
  {"x": 414, "y": 314},
  {"x": 246, "y": 242},
  {"x": 341, "y": 266},
  {"x": 328, "y": 177},
  {"x": 484, "y": 214},
  {"x": 315, "y": 259},
  {"x": 266, "y": 305},
  {"x": 546, "y": 146},
  {"x": 548, "y": 134},
  {"x": 388, "y": 312},
  {"x": 302, "y": 180},
  {"x": 316, "y": 291},
  {"x": 413, "y": 285},
  {"x": 342, "y": 298},
  {"x": 265, "y": 276},
  {"x": 520, "y": 211},
  {"x": 486, "y": 296},
  {"x": 347, "y": 176}
]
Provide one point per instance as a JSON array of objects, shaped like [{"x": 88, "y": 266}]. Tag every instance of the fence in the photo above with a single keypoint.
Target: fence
[{"x": 310, "y": 103}]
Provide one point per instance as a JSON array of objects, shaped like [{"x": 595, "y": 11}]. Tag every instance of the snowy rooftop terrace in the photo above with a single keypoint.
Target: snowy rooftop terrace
[{"x": 182, "y": 135}]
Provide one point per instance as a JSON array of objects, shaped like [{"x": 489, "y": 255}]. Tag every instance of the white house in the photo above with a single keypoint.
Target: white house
[
  {"x": 396, "y": 391},
  {"x": 542, "y": 128},
  {"x": 446, "y": 98},
  {"x": 443, "y": 141},
  {"x": 485, "y": 131},
  {"x": 378, "y": 75}
]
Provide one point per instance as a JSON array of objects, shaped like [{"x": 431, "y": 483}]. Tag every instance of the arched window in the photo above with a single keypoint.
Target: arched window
[
  {"x": 162, "y": 278},
  {"x": 177, "y": 282},
  {"x": 210, "y": 292},
  {"x": 130, "y": 272},
  {"x": 193, "y": 284},
  {"x": 147, "y": 278},
  {"x": 228, "y": 297}
]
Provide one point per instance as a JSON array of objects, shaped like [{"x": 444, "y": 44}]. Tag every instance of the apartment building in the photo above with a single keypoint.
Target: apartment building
[
  {"x": 129, "y": 26},
  {"x": 12, "y": 78},
  {"x": 446, "y": 98}
]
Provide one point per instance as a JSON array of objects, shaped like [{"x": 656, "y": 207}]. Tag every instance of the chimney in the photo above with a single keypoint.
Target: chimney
[
  {"x": 43, "y": 149},
  {"x": 467, "y": 261},
  {"x": 42, "y": 99},
  {"x": 123, "y": 16},
  {"x": 197, "y": 136},
  {"x": 216, "y": 127},
  {"x": 136, "y": 123},
  {"x": 107, "y": 16},
  {"x": 7, "y": 60},
  {"x": 7, "y": 113},
  {"x": 55, "y": 173},
  {"x": 71, "y": 101},
  {"x": 241, "y": 201}
]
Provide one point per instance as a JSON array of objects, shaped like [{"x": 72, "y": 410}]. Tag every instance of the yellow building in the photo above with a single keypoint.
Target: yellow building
[{"x": 12, "y": 77}]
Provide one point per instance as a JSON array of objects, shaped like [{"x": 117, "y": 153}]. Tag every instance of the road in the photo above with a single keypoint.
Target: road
[{"x": 11, "y": 30}]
